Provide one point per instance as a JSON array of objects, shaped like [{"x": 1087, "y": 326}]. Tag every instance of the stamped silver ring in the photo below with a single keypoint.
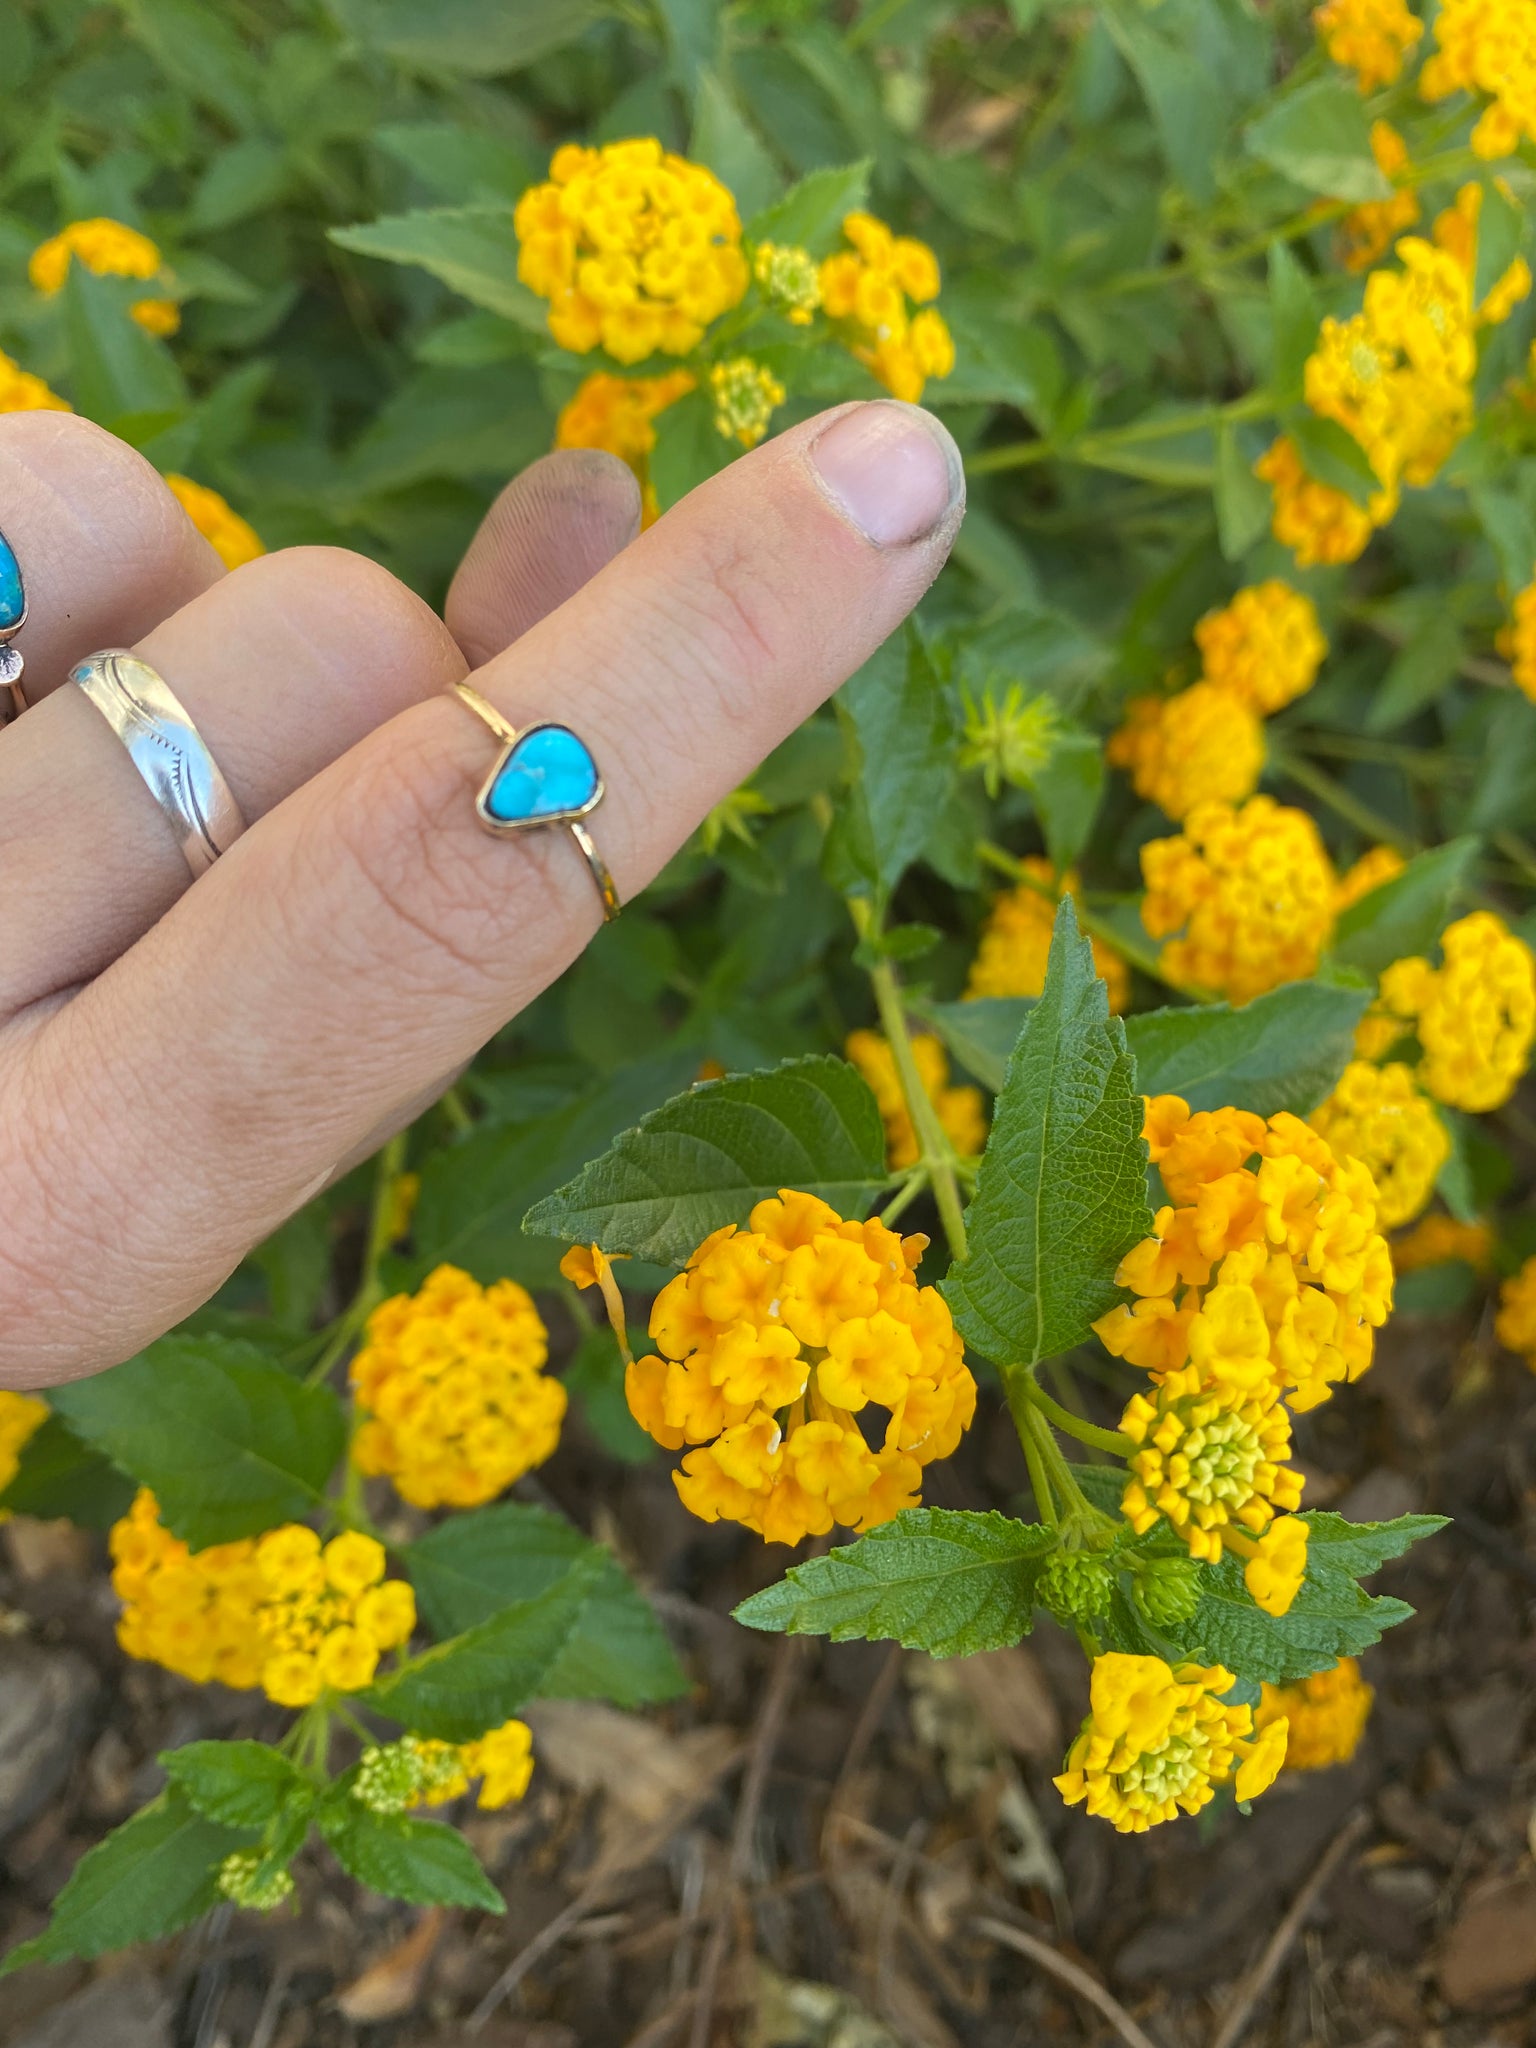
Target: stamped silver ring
[
  {"x": 13, "y": 616},
  {"x": 168, "y": 751}
]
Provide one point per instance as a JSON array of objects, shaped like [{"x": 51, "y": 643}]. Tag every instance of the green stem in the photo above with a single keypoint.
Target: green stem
[
  {"x": 1005, "y": 863},
  {"x": 1109, "y": 1440},
  {"x": 390, "y": 1165},
  {"x": 937, "y": 1158},
  {"x": 1042, "y": 1452},
  {"x": 905, "y": 1195},
  {"x": 1339, "y": 800},
  {"x": 1023, "y": 1422},
  {"x": 1093, "y": 448}
]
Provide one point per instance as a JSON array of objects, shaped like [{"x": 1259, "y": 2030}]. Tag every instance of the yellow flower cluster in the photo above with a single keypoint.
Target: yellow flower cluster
[
  {"x": 1474, "y": 1015},
  {"x": 745, "y": 394},
  {"x": 281, "y": 1611},
  {"x": 1316, "y": 522},
  {"x": 108, "y": 249},
  {"x": 1243, "y": 897},
  {"x": 21, "y": 1417},
  {"x": 1368, "y": 231},
  {"x": 20, "y": 391},
  {"x": 617, "y": 414},
  {"x": 1515, "y": 1325},
  {"x": 1522, "y": 641},
  {"x": 1378, "y": 865},
  {"x": 1378, "y": 1116},
  {"x": 326, "y": 1613},
  {"x": 866, "y": 291},
  {"x": 1265, "y": 1265},
  {"x": 1369, "y": 37},
  {"x": 777, "y": 1344},
  {"x": 634, "y": 248},
  {"x": 1264, "y": 648},
  {"x": 231, "y": 539},
  {"x": 790, "y": 280},
  {"x": 452, "y": 1382},
  {"x": 1158, "y": 1741},
  {"x": 1437, "y": 1239},
  {"x": 1324, "y": 1715},
  {"x": 1016, "y": 945},
  {"x": 1210, "y": 1457},
  {"x": 1488, "y": 46},
  {"x": 961, "y": 1111},
  {"x": 1203, "y": 745},
  {"x": 421, "y": 1771}
]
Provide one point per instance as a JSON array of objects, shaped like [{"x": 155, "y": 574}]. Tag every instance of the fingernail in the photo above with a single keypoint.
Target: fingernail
[{"x": 892, "y": 469}]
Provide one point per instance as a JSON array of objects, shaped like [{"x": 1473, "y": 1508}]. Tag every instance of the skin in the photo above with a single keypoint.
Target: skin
[{"x": 184, "y": 1065}]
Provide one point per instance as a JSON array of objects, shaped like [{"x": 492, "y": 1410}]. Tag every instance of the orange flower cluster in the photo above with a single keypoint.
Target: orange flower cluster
[
  {"x": 776, "y": 1345},
  {"x": 1016, "y": 945}
]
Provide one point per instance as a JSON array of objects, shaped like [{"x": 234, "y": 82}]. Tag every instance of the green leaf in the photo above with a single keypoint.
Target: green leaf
[
  {"x": 1242, "y": 499},
  {"x": 1067, "y": 792},
  {"x": 421, "y": 1861},
  {"x": 195, "y": 46},
  {"x": 1293, "y": 312},
  {"x": 1331, "y": 453},
  {"x": 117, "y": 371},
  {"x": 689, "y": 450},
  {"x": 725, "y": 142},
  {"x": 474, "y": 38},
  {"x": 900, "y": 714},
  {"x": 241, "y": 1784},
  {"x": 461, "y": 165},
  {"x": 477, "y": 1680},
  {"x": 1320, "y": 137},
  {"x": 153, "y": 1875},
  {"x": 1510, "y": 530},
  {"x": 1061, "y": 1192},
  {"x": 1419, "y": 671},
  {"x": 811, "y": 213},
  {"x": 980, "y": 1033},
  {"x": 60, "y": 1478},
  {"x": 705, "y": 1158},
  {"x": 594, "y": 1379},
  {"x": 951, "y": 1582},
  {"x": 471, "y": 248},
  {"x": 229, "y": 1443},
  {"x": 1284, "y": 1050},
  {"x": 1405, "y": 915},
  {"x": 1500, "y": 238},
  {"x": 1454, "y": 1182},
  {"x": 469, "y": 1569},
  {"x": 474, "y": 1196},
  {"x": 1331, "y": 1617},
  {"x": 1505, "y": 790}
]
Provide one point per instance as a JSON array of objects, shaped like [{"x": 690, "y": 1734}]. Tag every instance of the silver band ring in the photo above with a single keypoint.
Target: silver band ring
[{"x": 168, "y": 751}]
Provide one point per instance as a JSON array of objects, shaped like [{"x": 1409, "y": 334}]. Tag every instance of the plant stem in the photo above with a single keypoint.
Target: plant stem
[
  {"x": 1073, "y": 1425},
  {"x": 1048, "y": 1468},
  {"x": 1092, "y": 448},
  {"x": 905, "y": 1195},
  {"x": 1340, "y": 800},
  {"x": 1023, "y": 1422},
  {"x": 937, "y": 1159},
  {"x": 391, "y": 1162},
  {"x": 1009, "y": 864}
]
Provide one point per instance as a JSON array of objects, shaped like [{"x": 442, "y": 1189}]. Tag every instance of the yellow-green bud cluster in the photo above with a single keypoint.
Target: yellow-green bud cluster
[
  {"x": 790, "y": 279},
  {"x": 745, "y": 394},
  {"x": 1168, "y": 1591},
  {"x": 1009, "y": 741},
  {"x": 251, "y": 1879},
  {"x": 1076, "y": 1585},
  {"x": 393, "y": 1777}
]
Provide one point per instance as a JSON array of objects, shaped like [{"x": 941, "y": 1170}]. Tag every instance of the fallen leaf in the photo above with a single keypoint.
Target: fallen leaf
[
  {"x": 1489, "y": 1956},
  {"x": 393, "y": 1985}
]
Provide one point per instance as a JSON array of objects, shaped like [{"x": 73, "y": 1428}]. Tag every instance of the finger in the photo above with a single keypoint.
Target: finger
[
  {"x": 283, "y": 665},
  {"x": 548, "y": 533},
  {"x": 105, "y": 551},
  {"x": 369, "y": 934}
]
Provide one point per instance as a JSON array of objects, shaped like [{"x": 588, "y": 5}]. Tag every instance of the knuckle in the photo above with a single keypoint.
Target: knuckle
[
  {"x": 109, "y": 492},
  {"x": 352, "y": 606}
]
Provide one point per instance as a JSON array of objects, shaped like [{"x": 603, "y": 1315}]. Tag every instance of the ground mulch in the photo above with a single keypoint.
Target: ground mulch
[{"x": 849, "y": 1846}]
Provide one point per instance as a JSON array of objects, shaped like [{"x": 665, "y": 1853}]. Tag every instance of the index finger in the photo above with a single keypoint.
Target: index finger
[{"x": 368, "y": 935}]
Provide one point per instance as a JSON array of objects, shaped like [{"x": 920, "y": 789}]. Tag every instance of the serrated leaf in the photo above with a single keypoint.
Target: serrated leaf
[
  {"x": 471, "y": 1568},
  {"x": 475, "y": 38},
  {"x": 980, "y": 1033},
  {"x": 58, "y": 1477},
  {"x": 153, "y": 1875},
  {"x": 241, "y": 1784},
  {"x": 900, "y": 714},
  {"x": 117, "y": 370},
  {"x": 471, "y": 248},
  {"x": 421, "y": 1861},
  {"x": 703, "y": 1160},
  {"x": 951, "y": 1582},
  {"x": 227, "y": 1441},
  {"x": 1331, "y": 1617},
  {"x": 477, "y": 1680},
  {"x": 811, "y": 213},
  {"x": 1061, "y": 1191},
  {"x": 1320, "y": 137},
  {"x": 1284, "y": 1050},
  {"x": 1406, "y": 915}
]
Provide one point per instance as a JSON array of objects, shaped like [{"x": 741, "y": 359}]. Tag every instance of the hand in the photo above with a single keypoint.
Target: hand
[{"x": 182, "y": 1066}]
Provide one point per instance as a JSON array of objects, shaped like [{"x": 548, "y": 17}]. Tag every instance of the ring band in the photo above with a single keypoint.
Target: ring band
[
  {"x": 13, "y": 616},
  {"x": 544, "y": 775},
  {"x": 168, "y": 751}
]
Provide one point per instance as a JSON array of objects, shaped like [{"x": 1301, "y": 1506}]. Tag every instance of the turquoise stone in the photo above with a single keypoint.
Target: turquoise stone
[
  {"x": 548, "y": 774},
  {"x": 12, "y": 598}
]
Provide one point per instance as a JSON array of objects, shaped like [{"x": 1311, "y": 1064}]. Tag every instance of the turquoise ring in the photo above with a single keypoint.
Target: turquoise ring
[
  {"x": 13, "y": 616},
  {"x": 544, "y": 775}
]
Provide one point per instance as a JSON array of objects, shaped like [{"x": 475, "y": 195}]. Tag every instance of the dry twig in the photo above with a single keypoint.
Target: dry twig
[
  {"x": 1065, "y": 1971},
  {"x": 1251, "y": 1989}
]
